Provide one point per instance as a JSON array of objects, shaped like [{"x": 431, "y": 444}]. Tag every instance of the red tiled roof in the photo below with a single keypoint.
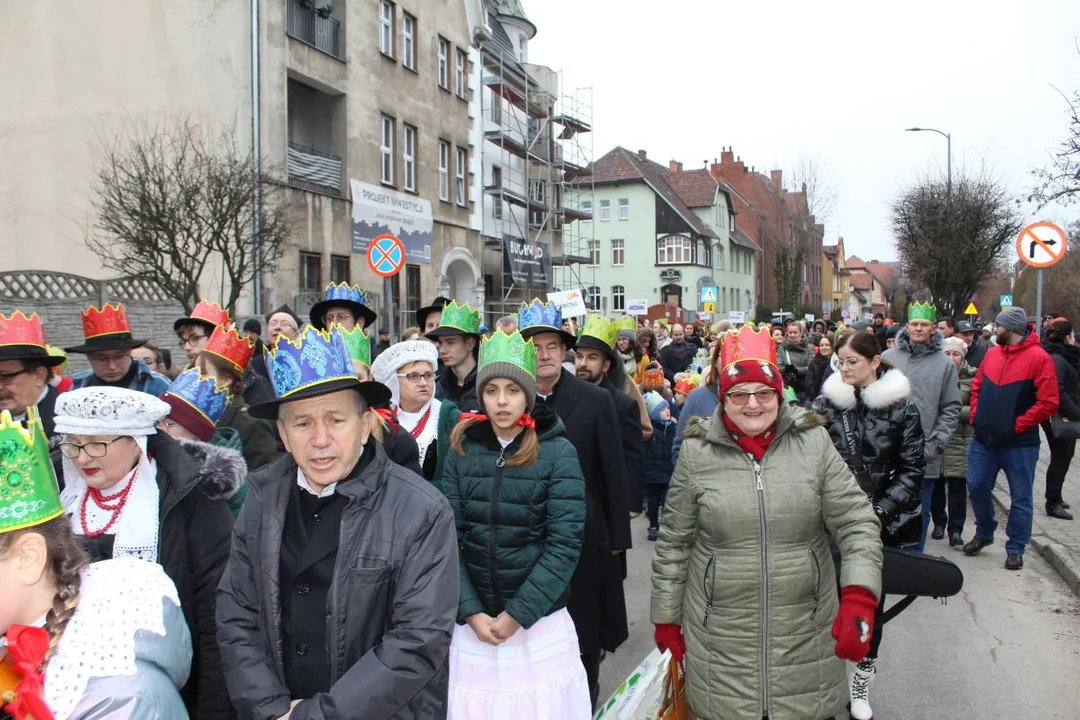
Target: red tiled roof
[
  {"x": 831, "y": 251},
  {"x": 855, "y": 262},
  {"x": 697, "y": 188},
  {"x": 883, "y": 271},
  {"x": 862, "y": 281}
]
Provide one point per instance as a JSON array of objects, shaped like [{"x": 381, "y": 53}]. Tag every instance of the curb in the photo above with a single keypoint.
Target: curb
[{"x": 1064, "y": 563}]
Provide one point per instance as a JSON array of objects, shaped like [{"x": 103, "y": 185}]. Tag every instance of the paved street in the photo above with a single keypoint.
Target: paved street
[{"x": 1007, "y": 647}]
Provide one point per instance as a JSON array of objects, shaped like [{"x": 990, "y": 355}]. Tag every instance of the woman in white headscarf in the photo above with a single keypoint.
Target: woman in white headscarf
[
  {"x": 410, "y": 369},
  {"x": 132, "y": 492}
]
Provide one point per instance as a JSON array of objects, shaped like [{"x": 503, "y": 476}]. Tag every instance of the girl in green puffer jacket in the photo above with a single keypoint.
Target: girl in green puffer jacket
[{"x": 518, "y": 496}]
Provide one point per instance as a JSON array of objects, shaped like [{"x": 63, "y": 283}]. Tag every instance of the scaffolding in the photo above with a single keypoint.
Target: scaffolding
[{"x": 537, "y": 175}]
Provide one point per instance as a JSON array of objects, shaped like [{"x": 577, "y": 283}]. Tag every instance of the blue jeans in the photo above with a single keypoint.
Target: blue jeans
[
  {"x": 984, "y": 464},
  {"x": 924, "y": 498}
]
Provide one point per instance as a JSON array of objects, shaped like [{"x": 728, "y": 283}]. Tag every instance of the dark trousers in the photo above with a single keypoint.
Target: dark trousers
[
  {"x": 956, "y": 490},
  {"x": 656, "y": 496},
  {"x": 1061, "y": 455},
  {"x": 591, "y": 661}
]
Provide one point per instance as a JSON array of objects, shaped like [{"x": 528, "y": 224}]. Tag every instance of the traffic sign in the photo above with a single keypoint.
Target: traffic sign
[
  {"x": 709, "y": 307},
  {"x": 386, "y": 256},
  {"x": 1041, "y": 244},
  {"x": 845, "y": 314},
  {"x": 971, "y": 309},
  {"x": 1006, "y": 301},
  {"x": 708, "y": 295}
]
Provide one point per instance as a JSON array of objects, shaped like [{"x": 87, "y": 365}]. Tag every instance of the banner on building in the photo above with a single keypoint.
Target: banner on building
[
  {"x": 571, "y": 303},
  {"x": 377, "y": 211},
  {"x": 527, "y": 263},
  {"x": 637, "y": 307}
]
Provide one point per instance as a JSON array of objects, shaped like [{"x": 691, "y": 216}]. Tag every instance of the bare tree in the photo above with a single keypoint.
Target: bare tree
[
  {"x": 949, "y": 245},
  {"x": 1059, "y": 181},
  {"x": 822, "y": 192},
  {"x": 168, "y": 201}
]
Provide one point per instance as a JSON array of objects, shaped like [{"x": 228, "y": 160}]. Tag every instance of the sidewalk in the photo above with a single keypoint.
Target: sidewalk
[{"x": 1058, "y": 541}]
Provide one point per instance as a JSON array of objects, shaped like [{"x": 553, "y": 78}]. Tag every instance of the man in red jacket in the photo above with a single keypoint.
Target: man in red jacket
[{"x": 1014, "y": 390}]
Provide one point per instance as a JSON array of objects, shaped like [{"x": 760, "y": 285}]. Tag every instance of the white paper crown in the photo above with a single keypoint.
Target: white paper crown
[{"x": 108, "y": 411}]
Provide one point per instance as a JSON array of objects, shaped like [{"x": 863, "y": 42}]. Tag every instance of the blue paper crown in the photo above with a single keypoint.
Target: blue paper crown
[
  {"x": 316, "y": 356},
  {"x": 202, "y": 393},
  {"x": 539, "y": 314},
  {"x": 344, "y": 291}
]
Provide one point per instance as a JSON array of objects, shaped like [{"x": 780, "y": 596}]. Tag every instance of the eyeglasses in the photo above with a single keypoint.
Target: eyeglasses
[
  {"x": 95, "y": 449},
  {"x": 416, "y": 378},
  {"x": 339, "y": 318},
  {"x": 191, "y": 340},
  {"x": 739, "y": 398},
  {"x": 166, "y": 424},
  {"x": 115, "y": 359},
  {"x": 851, "y": 362},
  {"x": 280, "y": 325},
  {"x": 8, "y": 378}
]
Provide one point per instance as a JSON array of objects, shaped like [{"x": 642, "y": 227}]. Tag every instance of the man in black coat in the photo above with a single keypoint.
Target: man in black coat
[
  {"x": 341, "y": 594},
  {"x": 26, "y": 368},
  {"x": 597, "y": 602},
  {"x": 676, "y": 357}
]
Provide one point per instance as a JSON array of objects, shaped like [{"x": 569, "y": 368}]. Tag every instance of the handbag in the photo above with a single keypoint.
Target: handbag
[
  {"x": 673, "y": 706},
  {"x": 903, "y": 527},
  {"x": 639, "y": 696},
  {"x": 1064, "y": 428}
]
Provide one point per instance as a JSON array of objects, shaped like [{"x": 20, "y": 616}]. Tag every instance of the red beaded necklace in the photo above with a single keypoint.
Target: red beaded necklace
[
  {"x": 115, "y": 504},
  {"x": 415, "y": 432}
]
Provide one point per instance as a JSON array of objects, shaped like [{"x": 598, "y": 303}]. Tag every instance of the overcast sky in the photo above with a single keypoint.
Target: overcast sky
[{"x": 838, "y": 81}]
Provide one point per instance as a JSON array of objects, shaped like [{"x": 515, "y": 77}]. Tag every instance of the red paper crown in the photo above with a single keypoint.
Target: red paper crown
[
  {"x": 108, "y": 320},
  {"x": 747, "y": 344},
  {"x": 21, "y": 330},
  {"x": 211, "y": 313},
  {"x": 229, "y": 346}
]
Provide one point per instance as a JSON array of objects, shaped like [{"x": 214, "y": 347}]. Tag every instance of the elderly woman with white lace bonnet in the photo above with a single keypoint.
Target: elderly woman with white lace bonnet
[{"x": 130, "y": 491}]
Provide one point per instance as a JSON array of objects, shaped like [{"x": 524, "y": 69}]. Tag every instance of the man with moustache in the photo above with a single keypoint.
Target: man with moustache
[{"x": 597, "y": 603}]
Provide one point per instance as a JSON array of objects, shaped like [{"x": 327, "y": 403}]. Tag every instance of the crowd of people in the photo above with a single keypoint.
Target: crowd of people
[{"x": 326, "y": 523}]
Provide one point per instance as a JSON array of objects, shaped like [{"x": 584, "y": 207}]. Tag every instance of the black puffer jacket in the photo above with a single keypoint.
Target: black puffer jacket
[
  {"x": 886, "y": 423},
  {"x": 1067, "y": 364}
]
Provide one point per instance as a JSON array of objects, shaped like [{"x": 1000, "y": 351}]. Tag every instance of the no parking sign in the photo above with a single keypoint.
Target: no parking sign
[{"x": 386, "y": 256}]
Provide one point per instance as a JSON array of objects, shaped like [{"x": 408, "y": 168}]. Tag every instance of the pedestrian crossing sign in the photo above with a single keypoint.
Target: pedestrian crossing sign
[
  {"x": 971, "y": 309},
  {"x": 708, "y": 294}
]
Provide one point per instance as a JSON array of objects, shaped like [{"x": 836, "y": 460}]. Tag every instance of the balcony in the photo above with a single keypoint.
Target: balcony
[
  {"x": 308, "y": 25},
  {"x": 313, "y": 170}
]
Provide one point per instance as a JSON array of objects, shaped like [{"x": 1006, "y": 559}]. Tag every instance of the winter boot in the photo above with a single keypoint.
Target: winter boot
[{"x": 860, "y": 675}]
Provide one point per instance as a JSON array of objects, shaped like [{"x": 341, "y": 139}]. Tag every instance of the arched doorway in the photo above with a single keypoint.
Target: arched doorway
[
  {"x": 460, "y": 277},
  {"x": 671, "y": 294}
]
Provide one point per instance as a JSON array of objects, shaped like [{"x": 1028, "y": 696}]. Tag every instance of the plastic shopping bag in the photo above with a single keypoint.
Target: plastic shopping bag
[{"x": 640, "y": 695}]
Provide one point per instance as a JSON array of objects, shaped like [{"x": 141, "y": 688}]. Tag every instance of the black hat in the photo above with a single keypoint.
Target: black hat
[
  {"x": 343, "y": 295},
  {"x": 436, "y": 306},
  {"x": 288, "y": 311},
  {"x": 23, "y": 338},
  {"x": 964, "y": 326},
  {"x": 106, "y": 329},
  {"x": 253, "y": 325},
  {"x": 375, "y": 394}
]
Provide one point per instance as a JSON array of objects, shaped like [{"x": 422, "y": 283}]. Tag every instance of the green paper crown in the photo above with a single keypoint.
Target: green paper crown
[
  {"x": 627, "y": 322},
  {"x": 461, "y": 317},
  {"x": 922, "y": 311},
  {"x": 513, "y": 349},
  {"x": 28, "y": 492},
  {"x": 359, "y": 345},
  {"x": 602, "y": 329}
]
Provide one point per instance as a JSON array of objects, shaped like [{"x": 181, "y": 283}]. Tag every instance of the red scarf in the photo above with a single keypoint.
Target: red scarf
[{"x": 754, "y": 446}]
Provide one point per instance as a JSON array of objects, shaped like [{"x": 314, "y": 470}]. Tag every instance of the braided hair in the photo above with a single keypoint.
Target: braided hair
[{"x": 64, "y": 565}]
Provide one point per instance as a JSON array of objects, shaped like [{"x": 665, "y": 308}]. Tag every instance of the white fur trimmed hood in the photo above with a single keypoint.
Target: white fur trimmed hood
[{"x": 889, "y": 389}]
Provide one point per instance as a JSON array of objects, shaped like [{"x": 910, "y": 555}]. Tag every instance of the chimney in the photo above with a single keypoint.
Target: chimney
[
  {"x": 674, "y": 166},
  {"x": 777, "y": 179},
  {"x": 727, "y": 157},
  {"x": 643, "y": 155}
]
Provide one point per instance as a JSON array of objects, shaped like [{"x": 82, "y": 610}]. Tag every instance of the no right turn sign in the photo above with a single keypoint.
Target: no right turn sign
[{"x": 1041, "y": 244}]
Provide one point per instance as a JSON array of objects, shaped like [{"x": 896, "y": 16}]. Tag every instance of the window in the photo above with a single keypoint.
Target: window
[
  {"x": 605, "y": 210},
  {"x": 408, "y": 41},
  {"x": 618, "y": 252},
  {"x": 459, "y": 74},
  {"x": 310, "y": 272},
  {"x": 624, "y": 208},
  {"x": 720, "y": 257},
  {"x": 412, "y": 288},
  {"x": 586, "y": 207},
  {"x": 594, "y": 253},
  {"x": 386, "y": 28},
  {"x": 674, "y": 250},
  {"x": 496, "y": 176},
  {"x": 444, "y": 64},
  {"x": 497, "y": 207},
  {"x": 462, "y": 161},
  {"x": 444, "y": 171},
  {"x": 339, "y": 268},
  {"x": 386, "y": 149},
  {"x": 702, "y": 253},
  {"x": 618, "y": 298},
  {"x": 592, "y": 297},
  {"x": 408, "y": 158},
  {"x": 496, "y": 109}
]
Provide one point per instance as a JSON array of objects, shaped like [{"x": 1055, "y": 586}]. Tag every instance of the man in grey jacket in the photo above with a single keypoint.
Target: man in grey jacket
[
  {"x": 935, "y": 389},
  {"x": 341, "y": 594}
]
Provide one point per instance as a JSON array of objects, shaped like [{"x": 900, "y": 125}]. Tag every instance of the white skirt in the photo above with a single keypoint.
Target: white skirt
[{"x": 535, "y": 675}]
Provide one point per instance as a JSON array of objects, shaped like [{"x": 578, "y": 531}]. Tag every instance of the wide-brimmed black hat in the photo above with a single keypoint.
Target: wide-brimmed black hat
[
  {"x": 106, "y": 329},
  {"x": 436, "y": 306},
  {"x": 588, "y": 341},
  {"x": 375, "y": 395},
  {"x": 343, "y": 295},
  {"x": 22, "y": 337}
]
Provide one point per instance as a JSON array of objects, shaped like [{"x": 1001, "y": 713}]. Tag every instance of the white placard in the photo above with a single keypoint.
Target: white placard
[
  {"x": 809, "y": 317},
  {"x": 736, "y": 316},
  {"x": 571, "y": 303},
  {"x": 704, "y": 316},
  {"x": 636, "y": 307}
]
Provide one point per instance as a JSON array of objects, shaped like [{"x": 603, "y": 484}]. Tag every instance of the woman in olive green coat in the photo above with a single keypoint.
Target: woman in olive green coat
[{"x": 743, "y": 582}]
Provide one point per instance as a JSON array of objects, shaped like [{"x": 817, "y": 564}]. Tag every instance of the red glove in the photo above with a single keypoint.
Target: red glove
[
  {"x": 669, "y": 637},
  {"x": 854, "y": 624}
]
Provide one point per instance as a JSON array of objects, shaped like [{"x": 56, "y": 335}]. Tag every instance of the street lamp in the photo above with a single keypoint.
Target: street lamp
[{"x": 948, "y": 151}]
